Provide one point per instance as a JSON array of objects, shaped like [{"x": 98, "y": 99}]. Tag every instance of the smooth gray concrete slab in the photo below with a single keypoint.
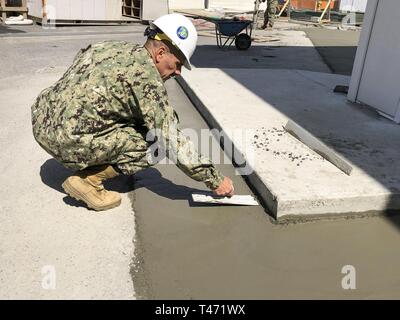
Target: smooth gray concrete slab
[
  {"x": 292, "y": 179},
  {"x": 275, "y": 49},
  {"x": 185, "y": 251}
]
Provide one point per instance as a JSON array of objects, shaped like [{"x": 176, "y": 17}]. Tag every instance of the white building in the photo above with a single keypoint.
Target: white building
[
  {"x": 375, "y": 79},
  {"x": 353, "y": 5}
]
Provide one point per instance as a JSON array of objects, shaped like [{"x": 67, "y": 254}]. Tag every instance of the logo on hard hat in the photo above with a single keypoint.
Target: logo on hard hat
[{"x": 182, "y": 33}]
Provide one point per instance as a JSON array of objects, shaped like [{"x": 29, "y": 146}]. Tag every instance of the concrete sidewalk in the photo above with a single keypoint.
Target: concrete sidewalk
[
  {"x": 42, "y": 229},
  {"x": 234, "y": 93},
  {"x": 290, "y": 177},
  {"x": 199, "y": 251}
]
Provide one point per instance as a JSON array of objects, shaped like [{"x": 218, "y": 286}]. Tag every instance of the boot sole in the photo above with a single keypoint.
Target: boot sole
[{"x": 70, "y": 190}]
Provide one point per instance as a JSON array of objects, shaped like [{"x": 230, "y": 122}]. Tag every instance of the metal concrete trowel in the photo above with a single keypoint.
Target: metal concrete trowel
[{"x": 239, "y": 200}]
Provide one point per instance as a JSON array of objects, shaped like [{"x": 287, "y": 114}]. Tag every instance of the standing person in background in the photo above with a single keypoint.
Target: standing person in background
[{"x": 270, "y": 13}]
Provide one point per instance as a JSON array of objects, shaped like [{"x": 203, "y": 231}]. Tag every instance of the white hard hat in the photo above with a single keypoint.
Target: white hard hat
[{"x": 180, "y": 31}]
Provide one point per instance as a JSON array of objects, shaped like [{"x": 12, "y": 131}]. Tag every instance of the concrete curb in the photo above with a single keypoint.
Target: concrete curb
[
  {"x": 263, "y": 193},
  {"x": 281, "y": 208}
]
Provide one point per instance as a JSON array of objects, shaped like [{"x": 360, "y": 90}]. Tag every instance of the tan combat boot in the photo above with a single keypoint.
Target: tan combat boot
[{"x": 87, "y": 185}]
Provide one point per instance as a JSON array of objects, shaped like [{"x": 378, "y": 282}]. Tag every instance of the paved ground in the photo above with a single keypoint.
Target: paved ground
[
  {"x": 194, "y": 252},
  {"x": 337, "y": 47},
  {"x": 182, "y": 250},
  {"x": 292, "y": 179},
  {"x": 41, "y": 229}
]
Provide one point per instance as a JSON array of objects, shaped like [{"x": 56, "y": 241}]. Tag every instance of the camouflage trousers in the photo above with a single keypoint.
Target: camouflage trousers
[
  {"x": 124, "y": 148},
  {"x": 270, "y": 13}
]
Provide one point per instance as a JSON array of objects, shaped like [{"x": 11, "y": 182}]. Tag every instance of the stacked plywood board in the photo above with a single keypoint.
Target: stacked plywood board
[
  {"x": 144, "y": 10},
  {"x": 11, "y": 6},
  {"x": 132, "y": 8}
]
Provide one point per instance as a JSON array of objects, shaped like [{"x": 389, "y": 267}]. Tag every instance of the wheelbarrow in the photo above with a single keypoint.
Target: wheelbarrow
[{"x": 228, "y": 31}]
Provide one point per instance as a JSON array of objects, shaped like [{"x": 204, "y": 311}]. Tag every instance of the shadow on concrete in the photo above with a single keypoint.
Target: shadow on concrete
[
  {"x": 53, "y": 175},
  {"x": 4, "y": 29},
  {"x": 152, "y": 180},
  {"x": 339, "y": 59},
  {"x": 393, "y": 216}
]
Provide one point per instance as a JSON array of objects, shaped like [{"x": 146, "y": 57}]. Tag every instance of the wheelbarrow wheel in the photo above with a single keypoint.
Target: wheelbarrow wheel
[{"x": 243, "y": 41}]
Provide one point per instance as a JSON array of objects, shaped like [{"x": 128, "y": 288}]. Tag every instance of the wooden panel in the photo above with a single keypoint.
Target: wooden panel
[
  {"x": 132, "y": 8},
  {"x": 19, "y": 6},
  {"x": 311, "y": 4},
  {"x": 19, "y": 9}
]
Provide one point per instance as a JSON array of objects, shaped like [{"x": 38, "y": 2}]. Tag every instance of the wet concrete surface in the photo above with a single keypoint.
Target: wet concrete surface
[
  {"x": 182, "y": 250},
  {"x": 188, "y": 251}
]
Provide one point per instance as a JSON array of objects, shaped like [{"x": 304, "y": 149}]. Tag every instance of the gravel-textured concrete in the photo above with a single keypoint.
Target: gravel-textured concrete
[
  {"x": 292, "y": 178},
  {"x": 254, "y": 90}
]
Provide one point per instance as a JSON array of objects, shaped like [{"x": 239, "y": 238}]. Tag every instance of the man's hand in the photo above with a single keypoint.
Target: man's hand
[{"x": 225, "y": 188}]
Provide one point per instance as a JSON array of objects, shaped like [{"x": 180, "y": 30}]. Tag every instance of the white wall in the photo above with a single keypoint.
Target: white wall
[
  {"x": 186, "y": 4},
  {"x": 353, "y": 5},
  {"x": 79, "y": 9},
  {"x": 241, "y": 5},
  {"x": 152, "y": 9},
  {"x": 34, "y": 8},
  {"x": 376, "y": 73}
]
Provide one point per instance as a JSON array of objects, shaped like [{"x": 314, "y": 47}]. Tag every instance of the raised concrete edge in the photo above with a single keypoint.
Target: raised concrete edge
[
  {"x": 263, "y": 193},
  {"x": 267, "y": 198}
]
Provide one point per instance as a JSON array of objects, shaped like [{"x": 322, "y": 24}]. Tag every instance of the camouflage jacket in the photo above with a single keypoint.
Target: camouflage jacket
[{"x": 112, "y": 85}]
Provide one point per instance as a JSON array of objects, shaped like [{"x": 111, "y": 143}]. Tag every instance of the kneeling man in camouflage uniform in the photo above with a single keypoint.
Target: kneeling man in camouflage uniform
[{"x": 95, "y": 119}]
